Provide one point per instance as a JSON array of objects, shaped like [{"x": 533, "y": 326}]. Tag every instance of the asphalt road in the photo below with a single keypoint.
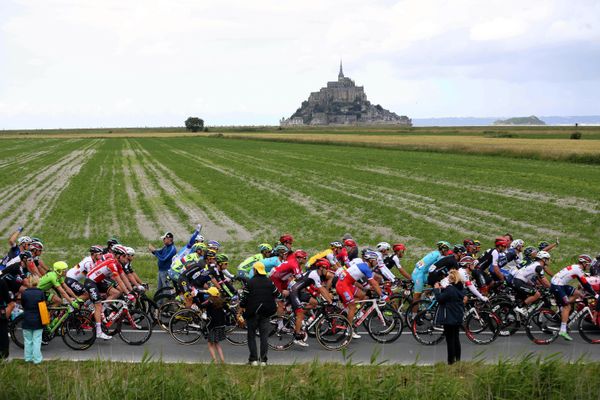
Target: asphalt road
[{"x": 404, "y": 351}]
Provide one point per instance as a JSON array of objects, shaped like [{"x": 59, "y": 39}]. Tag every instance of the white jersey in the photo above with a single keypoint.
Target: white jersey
[
  {"x": 567, "y": 274},
  {"x": 528, "y": 273},
  {"x": 79, "y": 272},
  {"x": 466, "y": 280},
  {"x": 385, "y": 271}
]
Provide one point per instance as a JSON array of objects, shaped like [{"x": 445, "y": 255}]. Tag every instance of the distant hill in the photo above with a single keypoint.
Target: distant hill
[
  {"x": 484, "y": 121},
  {"x": 531, "y": 120}
]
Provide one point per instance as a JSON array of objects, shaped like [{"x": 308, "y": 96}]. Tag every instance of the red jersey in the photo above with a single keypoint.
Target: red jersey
[{"x": 105, "y": 269}]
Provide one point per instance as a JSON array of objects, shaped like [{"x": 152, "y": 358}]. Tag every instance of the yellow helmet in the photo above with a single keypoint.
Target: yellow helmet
[{"x": 60, "y": 266}]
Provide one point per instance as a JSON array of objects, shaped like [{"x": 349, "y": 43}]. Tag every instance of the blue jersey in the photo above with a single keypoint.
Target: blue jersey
[
  {"x": 269, "y": 263},
  {"x": 427, "y": 261}
]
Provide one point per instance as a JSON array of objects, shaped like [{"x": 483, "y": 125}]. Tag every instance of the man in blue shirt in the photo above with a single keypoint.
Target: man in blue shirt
[{"x": 164, "y": 257}]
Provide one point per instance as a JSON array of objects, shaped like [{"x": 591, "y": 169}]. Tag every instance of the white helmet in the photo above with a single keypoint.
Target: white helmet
[
  {"x": 130, "y": 251},
  {"x": 543, "y": 255},
  {"x": 199, "y": 239},
  {"x": 516, "y": 243},
  {"x": 23, "y": 239},
  {"x": 383, "y": 246}
]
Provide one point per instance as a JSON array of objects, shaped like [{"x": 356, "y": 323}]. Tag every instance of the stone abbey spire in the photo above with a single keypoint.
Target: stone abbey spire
[{"x": 341, "y": 74}]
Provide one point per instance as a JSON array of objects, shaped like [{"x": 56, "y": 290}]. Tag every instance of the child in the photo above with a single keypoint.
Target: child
[
  {"x": 32, "y": 321},
  {"x": 216, "y": 326}
]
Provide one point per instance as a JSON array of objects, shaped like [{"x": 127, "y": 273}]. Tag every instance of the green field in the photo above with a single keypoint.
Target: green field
[{"x": 76, "y": 192}]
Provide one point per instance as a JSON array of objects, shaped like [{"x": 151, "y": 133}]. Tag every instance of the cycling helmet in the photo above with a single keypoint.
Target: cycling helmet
[
  {"x": 364, "y": 251},
  {"x": 199, "y": 239},
  {"x": 210, "y": 253},
  {"x": 466, "y": 261},
  {"x": 381, "y": 246},
  {"x": 213, "y": 244},
  {"x": 399, "y": 247},
  {"x": 198, "y": 246},
  {"x": 350, "y": 243},
  {"x": 459, "y": 248},
  {"x": 543, "y": 255},
  {"x": 96, "y": 249},
  {"x": 60, "y": 266},
  {"x": 280, "y": 248},
  {"x": 130, "y": 251},
  {"x": 529, "y": 251},
  {"x": 501, "y": 241},
  {"x": 23, "y": 240},
  {"x": 336, "y": 245},
  {"x": 265, "y": 247},
  {"x": 321, "y": 263},
  {"x": 584, "y": 259},
  {"x": 516, "y": 243},
  {"x": 476, "y": 243},
  {"x": 370, "y": 255},
  {"x": 25, "y": 255},
  {"x": 468, "y": 242},
  {"x": 119, "y": 249},
  {"x": 286, "y": 238},
  {"x": 222, "y": 258},
  {"x": 543, "y": 245},
  {"x": 112, "y": 241},
  {"x": 36, "y": 246},
  {"x": 300, "y": 254},
  {"x": 443, "y": 245}
]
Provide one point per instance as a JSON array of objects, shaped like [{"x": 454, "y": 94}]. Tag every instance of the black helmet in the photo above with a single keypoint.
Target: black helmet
[
  {"x": 112, "y": 241},
  {"x": 543, "y": 245},
  {"x": 529, "y": 251},
  {"x": 96, "y": 249},
  {"x": 25, "y": 255},
  {"x": 459, "y": 249}
]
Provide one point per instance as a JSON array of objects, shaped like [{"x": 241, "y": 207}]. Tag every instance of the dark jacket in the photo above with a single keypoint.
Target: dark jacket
[
  {"x": 216, "y": 315},
  {"x": 259, "y": 297},
  {"x": 451, "y": 309},
  {"x": 31, "y": 313}
]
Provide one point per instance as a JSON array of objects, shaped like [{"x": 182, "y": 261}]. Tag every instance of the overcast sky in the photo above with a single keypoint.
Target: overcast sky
[{"x": 105, "y": 63}]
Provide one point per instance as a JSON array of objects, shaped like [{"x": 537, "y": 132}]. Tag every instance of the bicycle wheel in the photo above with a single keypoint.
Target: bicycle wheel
[
  {"x": 418, "y": 306},
  {"x": 588, "y": 329},
  {"x": 424, "y": 329},
  {"x": 234, "y": 333},
  {"x": 509, "y": 321},
  {"x": 187, "y": 326},
  {"x": 386, "y": 328},
  {"x": 482, "y": 327},
  {"x": 166, "y": 311},
  {"x": 15, "y": 328},
  {"x": 163, "y": 293},
  {"x": 281, "y": 336},
  {"x": 79, "y": 331},
  {"x": 334, "y": 331},
  {"x": 164, "y": 297},
  {"x": 136, "y": 327},
  {"x": 542, "y": 326},
  {"x": 149, "y": 307}
]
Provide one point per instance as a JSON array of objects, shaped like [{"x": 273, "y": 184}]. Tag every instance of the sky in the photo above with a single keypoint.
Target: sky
[{"x": 111, "y": 63}]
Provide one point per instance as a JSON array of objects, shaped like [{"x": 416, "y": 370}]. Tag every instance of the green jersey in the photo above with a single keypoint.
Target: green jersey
[
  {"x": 248, "y": 263},
  {"x": 50, "y": 280},
  {"x": 181, "y": 263}
]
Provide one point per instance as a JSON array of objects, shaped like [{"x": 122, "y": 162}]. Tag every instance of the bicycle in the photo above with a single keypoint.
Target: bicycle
[
  {"x": 383, "y": 323},
  {"x": 120, "y": 317},
  {"x": 76, "y": 328},
  {"x": 481, "y": 325}
]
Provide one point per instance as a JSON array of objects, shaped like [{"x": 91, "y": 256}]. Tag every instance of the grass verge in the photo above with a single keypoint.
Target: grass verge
[{"x": 529, "y": 378}]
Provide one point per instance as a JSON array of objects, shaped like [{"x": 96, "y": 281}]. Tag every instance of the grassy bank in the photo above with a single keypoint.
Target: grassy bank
[{"x": 526, "y": 379}]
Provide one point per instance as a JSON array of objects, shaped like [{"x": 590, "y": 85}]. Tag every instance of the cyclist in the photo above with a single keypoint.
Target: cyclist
[
  {"x": 419, "y": 274},
  {"x": 185, "y": 250},
  {"x": 466, "y": 266},
  {"x": 213, "y": 245},
  {"x": 546, "y": 246},
  {"x": 595, "y": 267},
  {"x": 566, "y": 294},
  {"x": 440, "y": 269},
  {"x": 221, "y": 277},
  {"x": 15, "y": 274},
  {"x": 394, "y": 260},
  {"x": 284, "y": 273},
  {"x": 513, "y": 257},
  {"x": 298, "y": 295},
  {"x": 525, "y": 279},
  {"x": 36, "y": 247},
  {"x": 382, "y": 271},
  {"x": 133, "y": 277},
  {"x": 528, "y": 256},
  {"x": 245, "y": 267},
  {"x": 96, "y": 282},
  {"x": 274, "y": 261},
  {"x": 76, "y": 275},
  {"x": 109, "y": 245},
  {"x": 21, "y": 245},
  {"x": 210, "y": 258},
  {"x": 195, "y": 257},
  {"x": 55, "y": 279},
  {"x": 330, "y": 255},
  {"x": 489, "y": 261},
  {"x": 471, "y": 248},
  {"x": 351, "y": 248},
  {"x": 346, "y": 284}
]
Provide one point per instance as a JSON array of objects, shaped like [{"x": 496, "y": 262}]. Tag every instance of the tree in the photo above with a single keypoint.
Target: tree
[{"x": 194, "y": 124}]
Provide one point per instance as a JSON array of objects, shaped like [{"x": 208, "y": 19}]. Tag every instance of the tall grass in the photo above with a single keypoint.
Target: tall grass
[{"x": 529, "y": 378}]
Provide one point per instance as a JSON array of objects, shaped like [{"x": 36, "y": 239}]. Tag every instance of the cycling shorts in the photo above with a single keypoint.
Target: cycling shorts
[
  {"x": 94, "y": 289},
  {"x": 346, "y": 291},
  {"x": 482, "y": 277},
  {"x": 75, "y": 286},
  {"x": 419, "y": 277},
  {"x": 523, "y": 288},
  {"x": 298, "y": 299},
  {"x": 562, "y": 293},
  {"x": 280, "y": 285}
]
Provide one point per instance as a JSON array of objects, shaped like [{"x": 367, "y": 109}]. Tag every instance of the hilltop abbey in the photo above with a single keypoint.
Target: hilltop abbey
[{"x": 341, "y": 102}]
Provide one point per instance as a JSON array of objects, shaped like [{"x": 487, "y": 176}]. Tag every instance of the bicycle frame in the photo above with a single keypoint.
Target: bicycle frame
[{"x": 374, "y": 307}]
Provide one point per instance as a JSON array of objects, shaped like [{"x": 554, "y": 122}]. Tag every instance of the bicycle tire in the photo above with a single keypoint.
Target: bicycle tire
[
  {"x": 187, "y": 327},
  {"x": 15, "y": 329},
  {"x": 421, "y": 305},
  {"x": 508, "y": 318},
  {"x": 537, "y": 325},
  {"x": 487, "y": 326},
  {"x": 166, "y": 311},
  {"x": 424, "y": 330},
  {"x": 165, "y": 290},
  {"x": 589, "y": 331},
  {"x": 281, "y": 339},
  {"x": 334, "y": 332},
  {"x": 135, "y": 327},
  {"x": 78, "y": 331},
  {"x": 234, "y": 333},
  {"x": 392, "y": 322}
]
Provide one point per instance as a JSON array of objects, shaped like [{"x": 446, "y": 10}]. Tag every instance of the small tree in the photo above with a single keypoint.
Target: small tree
[{"x": 194, "y": 124}]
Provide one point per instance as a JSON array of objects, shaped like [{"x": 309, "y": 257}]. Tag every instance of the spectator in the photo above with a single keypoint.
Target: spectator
[
  {"x": 164, "y": 256},
  {"x": 7, "y": 304},
  {"x": 32, "y": 321},
  {"x": 451, "y": 312},
  {"x": 216, "y": 326},
  {"x": 258, "y": 305}
]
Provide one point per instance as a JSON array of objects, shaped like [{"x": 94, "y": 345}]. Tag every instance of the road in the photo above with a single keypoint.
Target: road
[{"x": 404, "y": 351}]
